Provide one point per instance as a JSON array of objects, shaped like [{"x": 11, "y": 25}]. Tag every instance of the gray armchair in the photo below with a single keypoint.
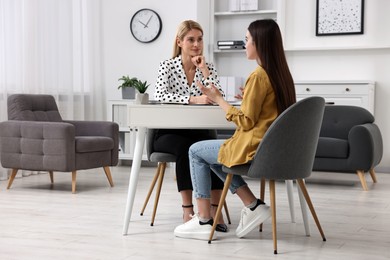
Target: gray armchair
[
  {"x": 36, "y": 138},
  {"x": 349, "y": 142}
]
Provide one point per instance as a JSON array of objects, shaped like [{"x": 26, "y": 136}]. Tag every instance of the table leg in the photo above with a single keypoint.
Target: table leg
[{"x": 136, "y": 165}]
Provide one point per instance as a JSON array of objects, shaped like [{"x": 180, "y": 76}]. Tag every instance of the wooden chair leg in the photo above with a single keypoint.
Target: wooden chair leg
[
  {"x": 310, "y": 204},
  {"x": 262, "y": 196},
  {"x": 12, "y": 177},
  {"x": 108, "y": 174},
  {"x": 373, "y": 175},
  {"x": 362, "y": 179},
  {"x": 161, "y": 169},
  {"x": 227, "y": 212},
  {"x": 273, "y": 212},
  {"x": 151, "y": 188},
  {"x": 74, "y": 182},
  {"x": 51, "y": 177},
  {"x": 228, "y": 181}
]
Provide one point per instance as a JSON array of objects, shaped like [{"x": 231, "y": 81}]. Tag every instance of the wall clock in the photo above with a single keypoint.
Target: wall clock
[{"x": 145, "y": 25}]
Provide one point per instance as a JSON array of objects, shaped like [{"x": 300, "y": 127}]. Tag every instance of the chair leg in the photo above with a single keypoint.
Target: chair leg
[
  {"x": 12, "y": 177},
  {"x": 262, "y": 196},
  {"x": 305, "y": 215},
  {"x": 228, "y": 181},
  {"x": 373, "y": 175},
  {"x": 290, "y": 196},
  {"x": 227, "y": 212},
  {"x": 310, "y": 204},
  {"x": 51, "y": 177},
  {"x": 108, "y": 174},
  {"x": 360, "y": 173},
  {"x": 273, "y": 212},
  {"x": 74, "y": 182},
  {"x": 161, "y": 169},
  {"x": 155, "y": 178}
]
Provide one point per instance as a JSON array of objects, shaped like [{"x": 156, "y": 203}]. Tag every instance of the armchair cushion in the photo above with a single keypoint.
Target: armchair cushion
[
  {"x": 86, "y": 144},
  {"x": 329, "y": 147}
]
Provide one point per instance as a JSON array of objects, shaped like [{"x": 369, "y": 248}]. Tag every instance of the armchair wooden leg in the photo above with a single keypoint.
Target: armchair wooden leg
[
  {"x": 12, "y": 177},
  {"x": 151, "y": 188},
  {"x": 51, "y": 177},
  {"x": 262, "y": 196},
  {"x": 373, "y": 175},
  {"x": 362, "y": 179},
  {"x": 161, "y": 169},
  {"x": 228, "y": 181},
  {"x": 310, "y": 204},
  {"x": 227, "y": 212},
  {"x": 74, "y": 182},
  {"x": 273, "y": 211},
  {"x": 108, "y": 174}
]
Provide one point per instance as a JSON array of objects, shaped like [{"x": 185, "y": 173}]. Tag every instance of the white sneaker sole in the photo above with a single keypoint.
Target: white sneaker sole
[
  {"x": 255, "y": 222},
  {"x": 199, "y": 236}
]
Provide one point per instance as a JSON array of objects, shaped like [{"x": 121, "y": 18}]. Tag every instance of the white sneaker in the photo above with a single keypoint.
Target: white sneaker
[
  {"x": 251, "y": 219},
  {"x": 193, "y": 229}
]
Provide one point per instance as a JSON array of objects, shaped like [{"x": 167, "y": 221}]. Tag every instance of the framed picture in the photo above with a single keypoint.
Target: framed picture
[{"x": 338, "y": 17}]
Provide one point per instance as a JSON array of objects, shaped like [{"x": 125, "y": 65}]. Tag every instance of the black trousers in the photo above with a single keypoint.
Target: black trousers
[{"x": 177, "y": 142}]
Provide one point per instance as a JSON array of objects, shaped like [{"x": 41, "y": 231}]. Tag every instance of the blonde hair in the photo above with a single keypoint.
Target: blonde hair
[{"x": 182, "y": 30}]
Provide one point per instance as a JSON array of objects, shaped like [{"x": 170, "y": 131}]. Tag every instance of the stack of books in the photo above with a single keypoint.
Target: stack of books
[{"x": 231, "y": 45}]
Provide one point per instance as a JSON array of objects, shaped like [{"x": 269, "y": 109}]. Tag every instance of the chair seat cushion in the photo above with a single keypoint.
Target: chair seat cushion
[
  {"x": 332, "y": 148},
  {"x": 86, "y": 144}
]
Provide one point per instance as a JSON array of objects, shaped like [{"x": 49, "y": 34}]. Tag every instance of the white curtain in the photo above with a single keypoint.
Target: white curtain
[{"x": 53, "y": 47}]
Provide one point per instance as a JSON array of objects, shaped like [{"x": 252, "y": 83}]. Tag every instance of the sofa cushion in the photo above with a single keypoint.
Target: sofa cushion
[
  {"x": 332, "y": 148},
  {"x": 86, "y": 144}
]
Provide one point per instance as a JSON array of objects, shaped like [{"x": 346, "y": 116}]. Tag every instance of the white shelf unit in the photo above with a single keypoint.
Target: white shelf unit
[
  {"x": 352, "y": 93},
  {"x": 227, "y": 25},
  {"x": 117, "y": 112}
]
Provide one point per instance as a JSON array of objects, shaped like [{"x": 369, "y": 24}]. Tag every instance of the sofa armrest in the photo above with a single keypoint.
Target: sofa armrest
[
  {"x": 366, "y": 146},
  {"x": 99, "y": 128},
  {"x": 33, "y": 145}
]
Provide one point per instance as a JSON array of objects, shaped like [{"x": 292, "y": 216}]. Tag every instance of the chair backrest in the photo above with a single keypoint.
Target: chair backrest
[
  {"x": 288, "y": 148},
  {"x": 33, "y": 107},
  {"x": 338, "y": 120},
  {"x": 154, "y": 156}
]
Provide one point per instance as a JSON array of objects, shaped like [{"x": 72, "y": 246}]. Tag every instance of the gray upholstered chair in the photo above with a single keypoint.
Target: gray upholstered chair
[
  {"x": 161, "y": 159},
  {"x": 349, "y": 142},
  {"x": 285, "y": 153},
  {"x": 36, "y": 138}
]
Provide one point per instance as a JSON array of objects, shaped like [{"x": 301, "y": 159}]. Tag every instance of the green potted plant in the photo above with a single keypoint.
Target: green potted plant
[
  {"x": 128, "y": 87},
  {"x": 141, "y": 97}
]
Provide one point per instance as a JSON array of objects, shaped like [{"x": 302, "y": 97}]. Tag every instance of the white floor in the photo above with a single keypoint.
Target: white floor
[{"x": 40, "y": 221}]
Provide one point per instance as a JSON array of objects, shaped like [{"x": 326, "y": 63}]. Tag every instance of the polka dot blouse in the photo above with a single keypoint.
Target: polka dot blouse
[{"x": 172, "y": 85}]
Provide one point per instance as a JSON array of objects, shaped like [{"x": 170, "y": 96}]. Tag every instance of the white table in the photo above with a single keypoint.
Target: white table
[{"x": 160, "y": 116}]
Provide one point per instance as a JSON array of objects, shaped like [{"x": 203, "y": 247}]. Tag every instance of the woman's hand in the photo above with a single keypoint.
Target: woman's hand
[
  {"x": 200, "y": 62},
  {"x": 214, "y": 95},
  {"x": 239, "y": 96},
  {"x": 203, "y": 99}
]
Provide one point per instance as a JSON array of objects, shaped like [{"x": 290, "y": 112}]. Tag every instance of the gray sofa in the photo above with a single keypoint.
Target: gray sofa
[
  {"x": 36, "y": 138},
  {"x": 349, "y": 142}
]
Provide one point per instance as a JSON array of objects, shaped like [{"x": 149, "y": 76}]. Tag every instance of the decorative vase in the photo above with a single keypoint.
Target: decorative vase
[
  {"x": 141, "y": 98},
  {"x": 128, "y": 93}
]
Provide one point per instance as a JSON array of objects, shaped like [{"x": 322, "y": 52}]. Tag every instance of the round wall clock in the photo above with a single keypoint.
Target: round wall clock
[{"x": 145, "y": 25}]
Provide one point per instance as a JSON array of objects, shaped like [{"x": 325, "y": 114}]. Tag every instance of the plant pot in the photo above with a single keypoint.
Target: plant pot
[
  {"x": 128, "y": 93},
  {"x": 141, "y": 98}
]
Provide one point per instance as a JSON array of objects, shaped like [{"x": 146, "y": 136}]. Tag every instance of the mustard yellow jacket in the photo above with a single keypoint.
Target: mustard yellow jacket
[{"x": 257, "y": 112}]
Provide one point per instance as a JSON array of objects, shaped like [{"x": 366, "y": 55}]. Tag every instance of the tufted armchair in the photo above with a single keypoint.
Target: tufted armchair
[
  {"x": 349, "y": 142},
  {"x": 36, "y": 138}
]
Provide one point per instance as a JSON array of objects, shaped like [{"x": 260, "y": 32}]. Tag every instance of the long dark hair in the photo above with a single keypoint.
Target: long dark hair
[{"x": 269, "y": 46}]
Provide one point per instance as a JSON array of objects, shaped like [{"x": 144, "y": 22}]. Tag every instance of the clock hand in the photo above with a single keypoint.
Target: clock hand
[{"x": 146, "y": 25}]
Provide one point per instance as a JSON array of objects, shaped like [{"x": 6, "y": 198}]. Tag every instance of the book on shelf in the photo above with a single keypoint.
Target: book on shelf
[
  {"x": 230, "y": 42},
  {"x": 231, "y": 47}
]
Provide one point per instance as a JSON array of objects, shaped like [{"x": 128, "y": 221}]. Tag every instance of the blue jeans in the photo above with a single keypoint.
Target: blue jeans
[{"x": 203, "y": 156}]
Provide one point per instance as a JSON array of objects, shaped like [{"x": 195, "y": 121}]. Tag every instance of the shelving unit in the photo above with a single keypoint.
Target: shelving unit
[
  {"x": 117, "y": 112},
  {"x": 227, "y": 25}
]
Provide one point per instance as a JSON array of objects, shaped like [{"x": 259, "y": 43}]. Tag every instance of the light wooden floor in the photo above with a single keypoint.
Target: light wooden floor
[{"x": 38, "y": 221}]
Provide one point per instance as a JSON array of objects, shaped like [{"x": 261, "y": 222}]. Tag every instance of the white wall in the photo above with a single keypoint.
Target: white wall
[{"x": 310, "y": 57}]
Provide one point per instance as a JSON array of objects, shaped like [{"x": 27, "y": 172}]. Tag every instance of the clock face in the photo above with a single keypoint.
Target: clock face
[{"x": 145, "y": 25}]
